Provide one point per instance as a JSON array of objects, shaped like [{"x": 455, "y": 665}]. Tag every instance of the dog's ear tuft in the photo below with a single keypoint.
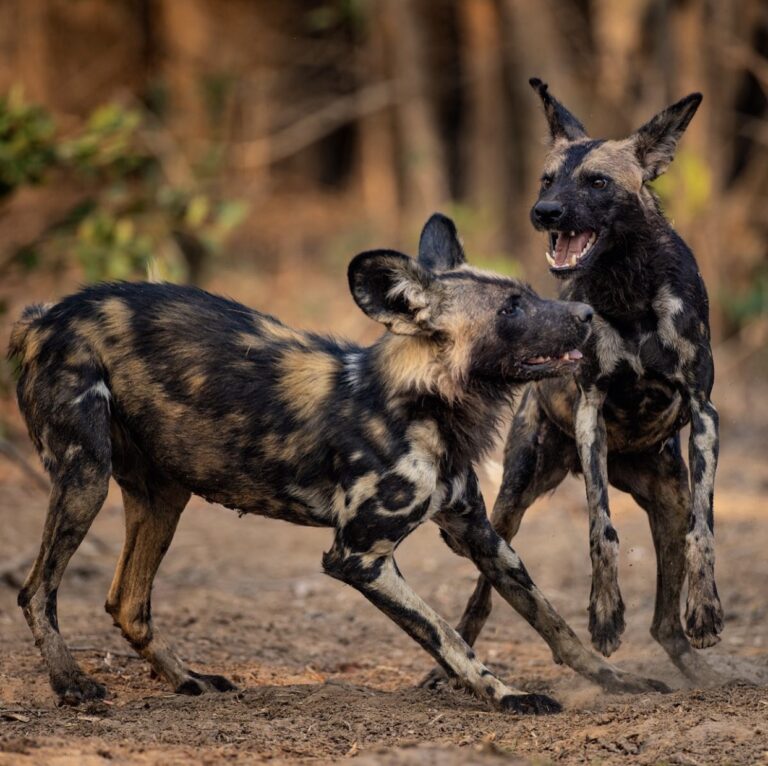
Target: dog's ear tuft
[
  {"x": 656, "y": 141},
  {"x": 393, "y": 289},
  {"x": 562, "y": 124},
  {"x": 439, "y": 245}
]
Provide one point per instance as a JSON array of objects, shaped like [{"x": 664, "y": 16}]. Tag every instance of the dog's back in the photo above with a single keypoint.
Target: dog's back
[{"x": 208, "y": 389}]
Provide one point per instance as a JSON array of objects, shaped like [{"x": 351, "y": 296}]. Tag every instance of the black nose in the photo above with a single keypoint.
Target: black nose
[
  {"x": 582, "y": 312},
  {"x": 548, "y": 212}
]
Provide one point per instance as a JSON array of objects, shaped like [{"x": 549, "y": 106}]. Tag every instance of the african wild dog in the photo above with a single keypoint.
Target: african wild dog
[
  {"x": 647, "y": 372},
  {"x": 174, "y": 391}
]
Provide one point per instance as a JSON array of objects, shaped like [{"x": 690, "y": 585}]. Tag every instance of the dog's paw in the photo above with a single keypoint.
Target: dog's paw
[
  {"x": 200, "y": 683},
  {"x": 618, "y": 681},
  {"x": 74, "y": 688},
  {"x": 530, "y": 704},
  {"x": 606, "y": 621},
  {"x": 703, "y": 620},
  {"x": 435, "y": 679}
]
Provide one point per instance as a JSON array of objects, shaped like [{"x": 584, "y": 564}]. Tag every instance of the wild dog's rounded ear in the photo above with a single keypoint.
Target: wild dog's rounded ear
[
  {"x": 393, "y": 289},
  {"x": 439, "y": 245},
  {"x": 562, "y": 124},
  {"x": 656, "y": 141}
]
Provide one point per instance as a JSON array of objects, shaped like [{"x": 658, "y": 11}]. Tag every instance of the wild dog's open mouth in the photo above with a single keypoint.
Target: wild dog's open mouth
[
  {"x": 568, "y": 357},
  {"x": 567, "y": 248}
]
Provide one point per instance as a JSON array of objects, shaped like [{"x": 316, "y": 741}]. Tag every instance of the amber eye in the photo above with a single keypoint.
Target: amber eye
[
  {"x": 546, "y": 182},
  {"x": 599, "y": 183}
]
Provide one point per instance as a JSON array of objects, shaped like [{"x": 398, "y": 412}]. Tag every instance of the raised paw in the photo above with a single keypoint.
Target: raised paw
[
  {"x": 618, "y": 681},
  {"x": 200, "y": 683},
  {"x": 530, "y": 704},
  {"x": 75, "y": 688},
  {"x": 606, "y": 622},
  {"x": 703, "y": 620}
]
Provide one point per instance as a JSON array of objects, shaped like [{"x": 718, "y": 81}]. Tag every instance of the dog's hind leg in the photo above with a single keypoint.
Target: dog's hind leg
[
  {"x": 77, "y": 451},
  {"x": 152, "y": 511},
  {"x": 537, "y": 457},
  {"x": 659, "y": 484}
]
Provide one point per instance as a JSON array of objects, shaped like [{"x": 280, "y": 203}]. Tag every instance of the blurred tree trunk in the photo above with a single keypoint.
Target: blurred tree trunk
[
  {"x": 424, "y": 180},
  {"x": 700, "y": 226},
  {"x": 486, "y": 157},
  {"x": 74, "y": 53},
  {"x": 377, "y": 156},
  {"x": 534, "y": 48},
  {"x": 33, "y": 64},
  {"x": 618, "y": 35}
]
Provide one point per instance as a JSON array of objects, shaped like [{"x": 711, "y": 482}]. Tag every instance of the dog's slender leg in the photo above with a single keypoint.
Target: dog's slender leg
[
  {"x": 80, "y": 482},
  {"x": 659, "y": 484},
  {"x": 468, "y": 526},
  {"x": 380, "y": 581},
  {"x": 703, "y": 611},
  {"x": 536, "y": 459},
  {"x": 150, "y": 522},
  {"x": 606, "y": 607}
]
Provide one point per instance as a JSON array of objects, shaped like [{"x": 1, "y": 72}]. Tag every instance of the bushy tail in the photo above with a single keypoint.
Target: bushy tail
[{"x": 21, "y": 327}]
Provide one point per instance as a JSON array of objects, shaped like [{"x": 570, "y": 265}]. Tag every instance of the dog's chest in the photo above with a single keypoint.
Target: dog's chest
[
  {"x": 639, "y": 366},
  {"x": 652, "y": 346}
]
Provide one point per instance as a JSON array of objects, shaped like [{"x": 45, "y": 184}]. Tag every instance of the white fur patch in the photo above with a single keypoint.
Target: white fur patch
[
  {"x": 352, "y": 368},
  {"x": 667, "y": 306},
  {"x": 97, "y": 389}
]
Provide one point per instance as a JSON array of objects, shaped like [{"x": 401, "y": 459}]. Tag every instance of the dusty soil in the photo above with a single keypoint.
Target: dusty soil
[{"x": 324, "y": 676}]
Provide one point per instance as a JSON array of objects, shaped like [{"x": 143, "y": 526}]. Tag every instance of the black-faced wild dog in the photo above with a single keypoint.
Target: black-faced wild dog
[
  {"x": 647, "y": 372},
  {"x": 174, "y": 391}
]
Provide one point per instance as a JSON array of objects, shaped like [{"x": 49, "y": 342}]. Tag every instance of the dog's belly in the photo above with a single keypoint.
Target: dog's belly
[
  {"x": 214, "y": 464},
  {"x": 637, "y": 416}
]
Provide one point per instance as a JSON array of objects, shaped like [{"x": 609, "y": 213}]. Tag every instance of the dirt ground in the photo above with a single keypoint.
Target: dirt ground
[{"x": 323, "y": 676}]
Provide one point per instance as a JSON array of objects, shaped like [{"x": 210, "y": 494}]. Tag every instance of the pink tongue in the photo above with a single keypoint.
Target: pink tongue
[{"x": 567, "y": 246}]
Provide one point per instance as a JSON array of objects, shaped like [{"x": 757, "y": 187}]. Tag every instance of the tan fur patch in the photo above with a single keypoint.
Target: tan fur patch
[
  {"x": 32, "y": 343},
  {"x": 195, "y": 381},
  {"x": 377, "y": 431},
  {"x": 117, "y": 316},
  {"x": 617, "y": 160},
  {"x": 412, "y": 363},
  {"x": 274, "y": 330},
  {"x": 307, "y": 380},
  {"x": 251, "y": 342},
  {"x": 556, "y": 155},
  {"x": 424, "y": 438}
]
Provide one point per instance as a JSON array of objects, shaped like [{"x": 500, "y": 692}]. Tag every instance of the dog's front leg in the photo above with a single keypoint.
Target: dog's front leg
[
  {"x": 703, "y": 611},
  {"x": 379, "y": 580},
  {"x": 468, "y": 532},
  {"x": 606, "y": 607}
]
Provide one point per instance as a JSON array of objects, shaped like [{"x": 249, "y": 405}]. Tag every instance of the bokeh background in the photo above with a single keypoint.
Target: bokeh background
[
  {"x": 184, "y": 139},
  {"x": 254, "y": 147}
]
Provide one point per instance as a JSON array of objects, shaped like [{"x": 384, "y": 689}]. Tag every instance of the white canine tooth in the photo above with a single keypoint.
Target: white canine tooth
[
  {"x": 573, "y": 233},
  {"x": 572, "y": 260},
  {"x": 550, "y": 258}
]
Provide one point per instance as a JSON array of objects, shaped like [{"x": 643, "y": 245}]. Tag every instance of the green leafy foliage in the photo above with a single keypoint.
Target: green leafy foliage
[
  {"x": 26, "y": 143},
  {"x": 740, "y": 307},
  {"x": 130, "y": 220}
]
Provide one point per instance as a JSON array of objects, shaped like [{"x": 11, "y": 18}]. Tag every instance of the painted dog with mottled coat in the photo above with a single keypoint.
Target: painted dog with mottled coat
[
  {"x": 647, "y": 372},
  {"x": 173, "y": 391}
]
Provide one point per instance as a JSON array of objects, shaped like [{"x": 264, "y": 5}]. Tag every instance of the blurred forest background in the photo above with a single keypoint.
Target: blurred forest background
[{"x": 254, "y": 147}]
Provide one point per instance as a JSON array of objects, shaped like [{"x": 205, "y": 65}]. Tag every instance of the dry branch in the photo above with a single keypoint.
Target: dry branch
[{"x": 267, "y": 150}]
